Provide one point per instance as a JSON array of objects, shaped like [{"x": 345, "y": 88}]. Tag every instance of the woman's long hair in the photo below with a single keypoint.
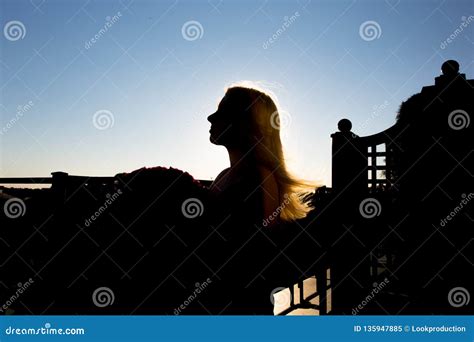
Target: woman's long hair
[{"x": 262, "y": 121}]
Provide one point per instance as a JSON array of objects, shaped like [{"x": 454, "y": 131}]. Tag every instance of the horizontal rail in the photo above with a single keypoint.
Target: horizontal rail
[
  {"x": 376, "y": 154},
  {"x": 49, "y": 180},
  {"x": 26, "y": 180}
]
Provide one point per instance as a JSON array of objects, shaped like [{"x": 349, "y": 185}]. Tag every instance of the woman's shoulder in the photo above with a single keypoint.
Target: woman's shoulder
[{"x": 222, "y": 173}]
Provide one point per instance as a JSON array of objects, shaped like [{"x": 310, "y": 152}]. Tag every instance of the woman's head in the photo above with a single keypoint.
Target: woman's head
[
  {"x": 234, "y": 124},
  {"x": 248, "y": 120}
]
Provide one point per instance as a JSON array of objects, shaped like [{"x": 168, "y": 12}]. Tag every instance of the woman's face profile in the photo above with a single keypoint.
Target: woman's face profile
[{"x": 225, "y": 123}]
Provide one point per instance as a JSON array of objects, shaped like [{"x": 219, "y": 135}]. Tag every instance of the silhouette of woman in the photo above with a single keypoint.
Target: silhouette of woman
[
  {"x": 247, "y": 124},
  {"x": 250, "y": 198}
]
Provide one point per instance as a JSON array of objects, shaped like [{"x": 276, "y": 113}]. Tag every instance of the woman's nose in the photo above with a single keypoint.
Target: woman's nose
[{"x": 211, "y": 117}]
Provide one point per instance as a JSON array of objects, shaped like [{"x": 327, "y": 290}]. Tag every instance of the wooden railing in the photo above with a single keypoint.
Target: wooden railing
[
  {"x": 60, "y": 179},
  {"x": 363, "y": 164}
]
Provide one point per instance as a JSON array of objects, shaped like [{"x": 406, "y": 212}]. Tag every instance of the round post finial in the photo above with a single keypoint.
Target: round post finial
[
  {"x": 450, "y": 68},
  {"x": 344, "y": 125}
]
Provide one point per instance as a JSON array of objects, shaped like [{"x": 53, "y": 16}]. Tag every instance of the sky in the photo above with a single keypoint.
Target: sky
[{"x": 100, "y": 87}]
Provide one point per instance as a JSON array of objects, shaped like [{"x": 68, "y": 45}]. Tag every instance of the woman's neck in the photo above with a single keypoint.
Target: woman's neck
[{"x": 237, "y": 158}]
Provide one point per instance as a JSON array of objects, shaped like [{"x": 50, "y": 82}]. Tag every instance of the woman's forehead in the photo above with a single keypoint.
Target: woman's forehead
[
  {"x": 229, "y": 101},
  {"x": 235, "y": 98}
]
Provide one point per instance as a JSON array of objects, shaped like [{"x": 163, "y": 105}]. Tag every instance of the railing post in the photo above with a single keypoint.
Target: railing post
[
  {"x": 59, "y": 185},
  {"x": 349, "y": 162}
]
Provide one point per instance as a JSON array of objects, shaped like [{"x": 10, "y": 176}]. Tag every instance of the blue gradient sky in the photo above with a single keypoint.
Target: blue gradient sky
[{"x": 160, "y": 87}]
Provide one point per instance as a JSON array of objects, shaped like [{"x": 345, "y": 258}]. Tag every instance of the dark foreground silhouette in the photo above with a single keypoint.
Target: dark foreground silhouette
[{"x": 393, "y": 235}]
